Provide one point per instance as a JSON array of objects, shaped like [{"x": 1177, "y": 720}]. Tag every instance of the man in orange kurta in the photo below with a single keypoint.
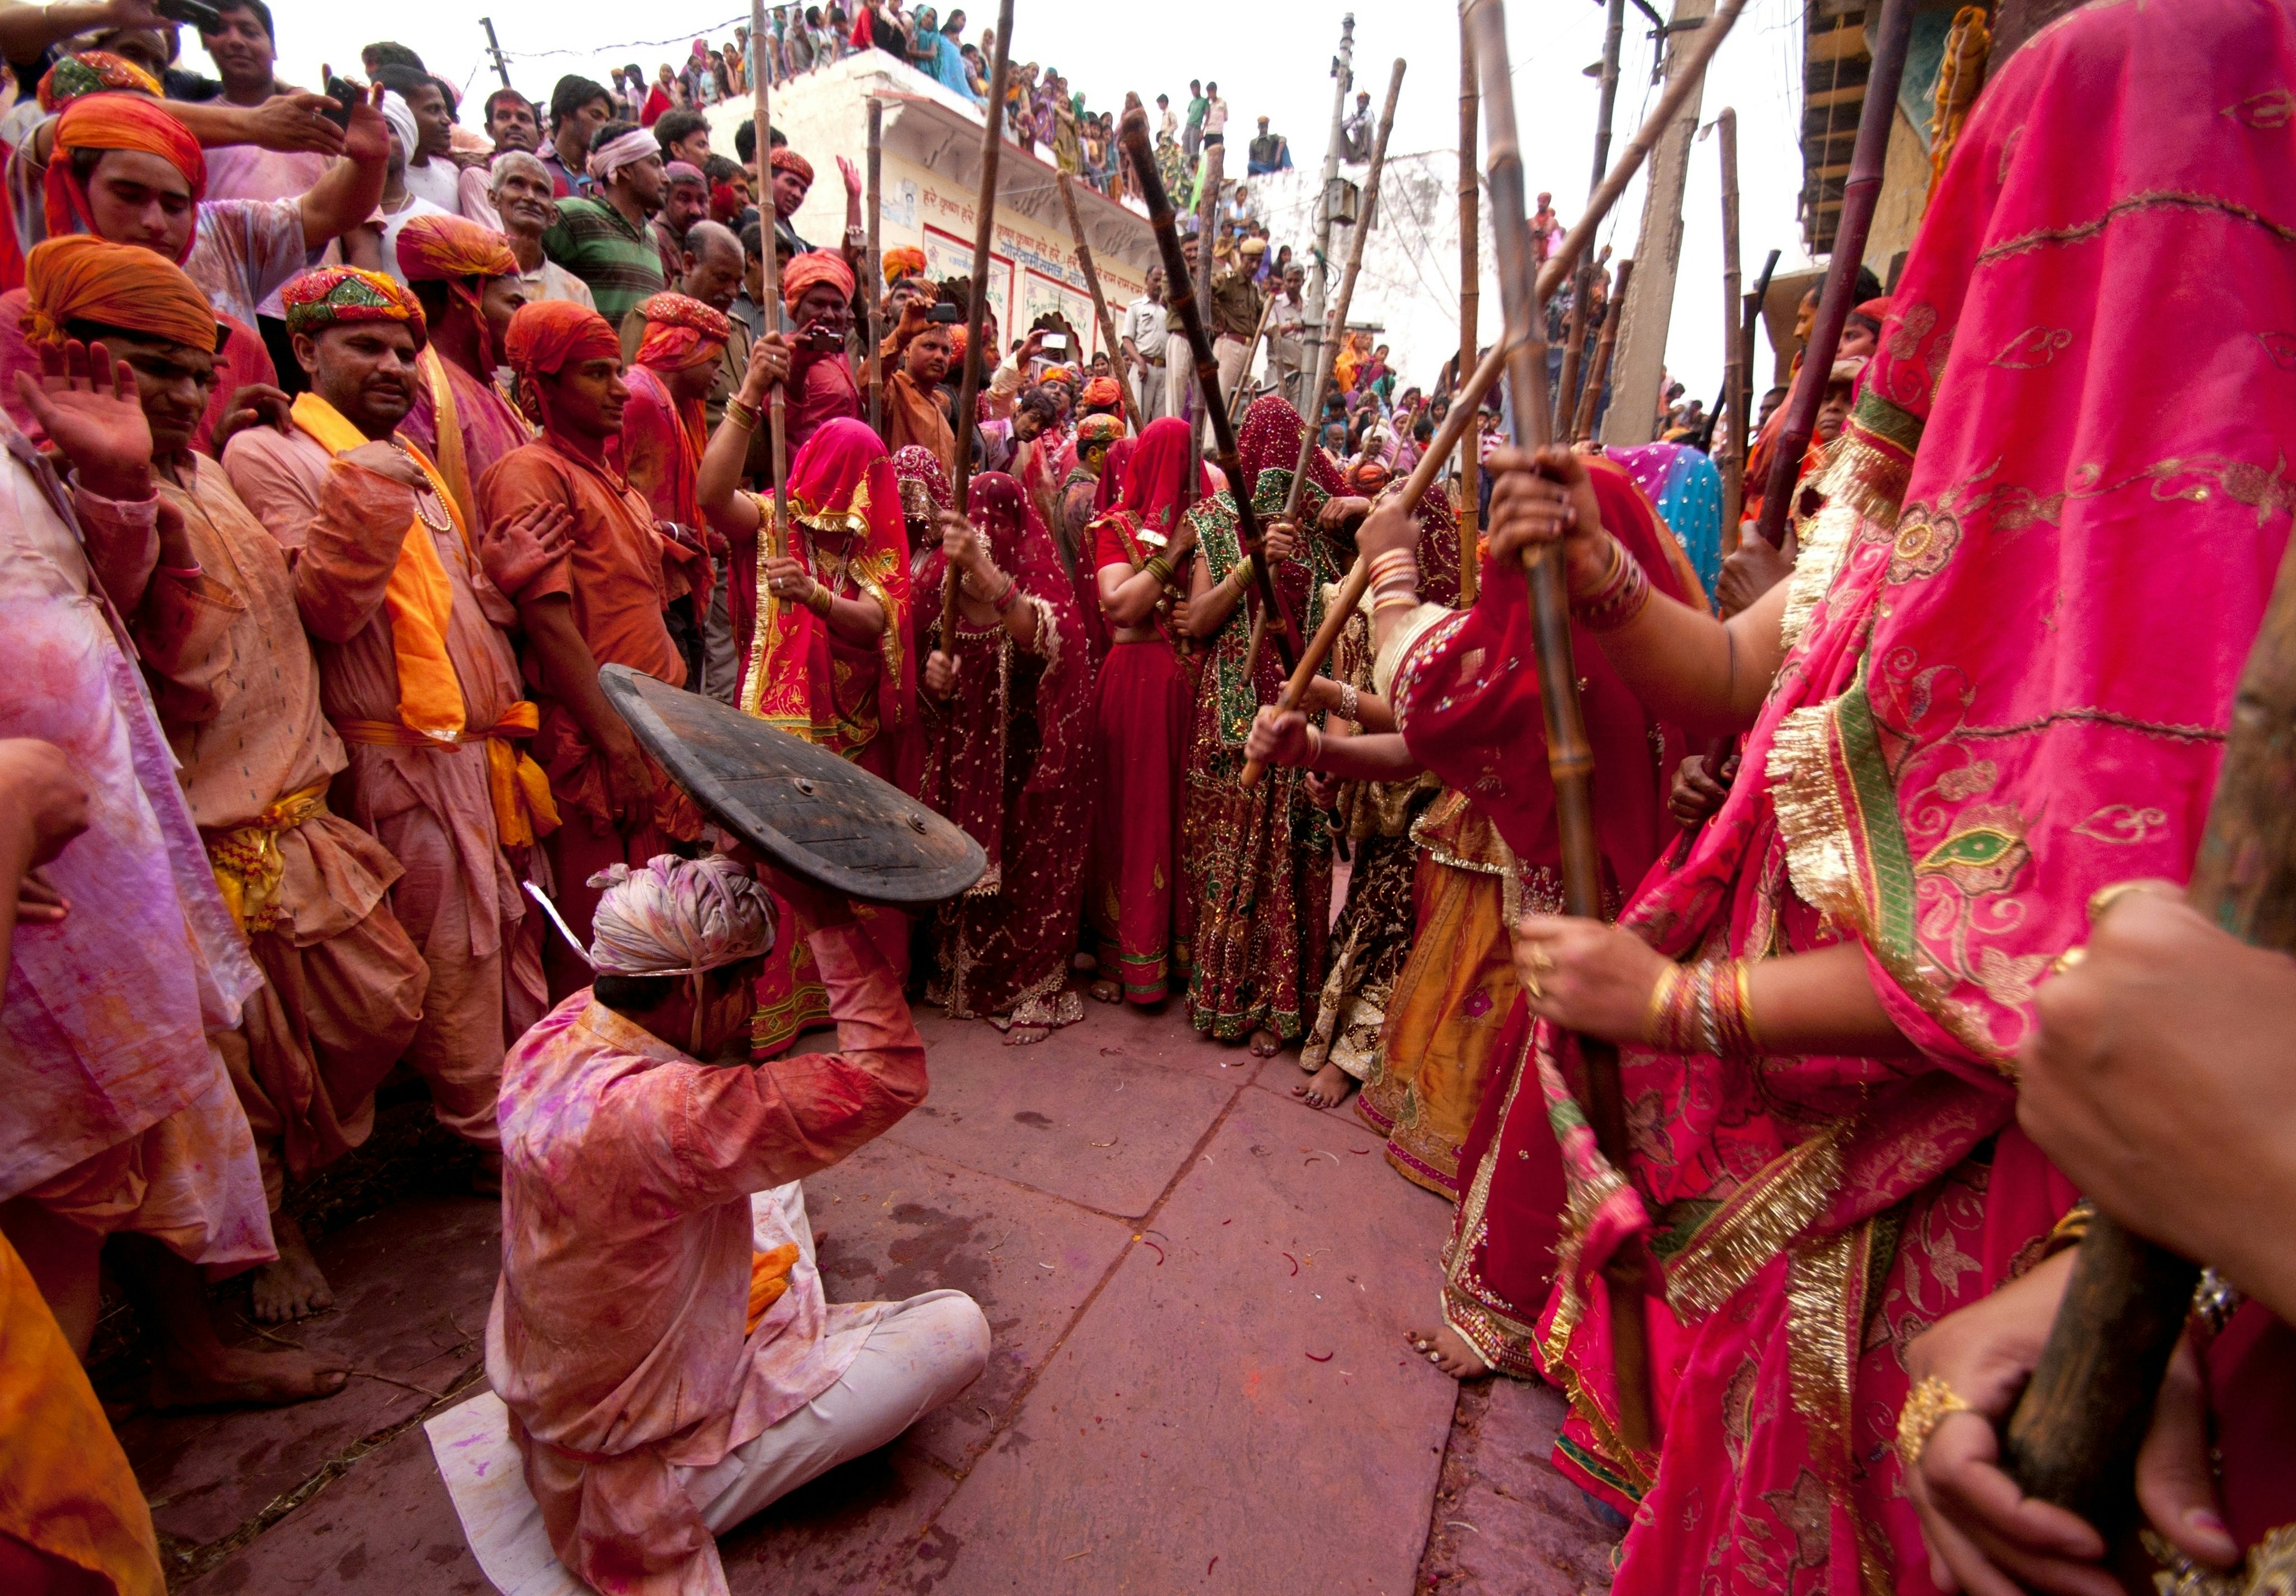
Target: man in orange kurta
[
  {"x": 416, "y": 674},
  {"x": 598, "y": 602}
]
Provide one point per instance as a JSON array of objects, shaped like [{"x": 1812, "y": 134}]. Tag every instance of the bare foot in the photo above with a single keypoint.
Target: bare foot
[
  {"x": 1105, "y": 990},
  {"x": 291, "y": 1289},
  {"x": 1266, "y": 1044},
  {"x": 1448, "y": 1351},
  {"x": 238, "y": 1376},
  {"x": 1026, "y": 1036},
  {"x": 1327, "y": 1088},
  {"x": 485, "y": 1181}
]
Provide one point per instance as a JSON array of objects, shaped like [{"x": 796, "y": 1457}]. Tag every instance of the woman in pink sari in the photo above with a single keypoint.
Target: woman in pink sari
[
  {"x": 1006, "y": 730},
  {"x": 1995, "y": 685}
]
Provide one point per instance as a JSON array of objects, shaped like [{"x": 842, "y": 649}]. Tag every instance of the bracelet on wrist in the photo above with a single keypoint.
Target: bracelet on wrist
[
  {"x": 1160, "y": 568},
  {"x": 1704, "y": 1008},
  {"x": 1623, "y": 593},
  {"x": 1350, "y": 704},
  {"x": 819, "y": 600},
  {"x": 1005, "y": 600},
  {"x": 742, "y": 414}
]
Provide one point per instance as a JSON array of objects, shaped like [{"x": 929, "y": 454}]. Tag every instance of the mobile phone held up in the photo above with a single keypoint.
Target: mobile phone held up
[
  {"x": 342, "y": 91},
  {"x": 200, "y": 15},
  {"x": 1056, "y": 344},
  {"x": 945, "y": 313}
]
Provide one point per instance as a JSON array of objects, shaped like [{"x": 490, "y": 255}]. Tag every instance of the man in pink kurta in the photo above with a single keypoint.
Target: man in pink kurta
[
  {"x": 659, "y": 1334},
  {"x": 429, "y": 802}
]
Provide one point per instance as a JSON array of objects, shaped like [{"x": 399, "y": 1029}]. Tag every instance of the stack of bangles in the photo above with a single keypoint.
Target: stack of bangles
[
  {"x": 1241, "y": 575},
  {"x": 1394, "y": 579},
  {"x": 742, "y": 414},
  {"x": 1705, "y": 1008},
  {"x": 1622, "y": 594},
  {"x": 1159, "y": 567}
]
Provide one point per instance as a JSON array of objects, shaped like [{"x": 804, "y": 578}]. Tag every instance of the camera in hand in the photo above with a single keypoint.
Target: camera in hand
[
  {"x": 945, "y": 314},
  {"x": 201, "y": 15},
  {"x": 1056, "y": 343},
  {"x": 820, "y": 336}
]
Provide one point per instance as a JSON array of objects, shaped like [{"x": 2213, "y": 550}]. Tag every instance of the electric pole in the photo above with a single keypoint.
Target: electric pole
[{"x": 494, "y": 48}]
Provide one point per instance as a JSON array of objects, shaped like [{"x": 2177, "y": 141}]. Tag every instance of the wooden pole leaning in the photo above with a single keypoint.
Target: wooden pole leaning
[
  {"x": 1733, "y": 317},
  {"x": 1100, "y": 304},
  {"x": 776, "y": 401},
  {"x": 1590, "y": 396},
  {"x": 976, "y": 316},
  {"x": 1133, "y": 135},
  {"x": 1335, "y": 323},
  {"x": 872, "y": 285},
  {"x": 1470, "y": 293}
]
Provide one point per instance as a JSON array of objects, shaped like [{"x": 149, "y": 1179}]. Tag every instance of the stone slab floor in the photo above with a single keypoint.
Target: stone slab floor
[{"x": 1198, "y": 1288}]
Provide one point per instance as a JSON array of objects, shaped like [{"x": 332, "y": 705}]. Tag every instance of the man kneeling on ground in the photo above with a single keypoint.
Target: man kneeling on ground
[{"x": 659, "y": 1334}]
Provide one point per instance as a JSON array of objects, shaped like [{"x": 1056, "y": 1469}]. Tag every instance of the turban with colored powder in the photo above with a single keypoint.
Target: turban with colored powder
[
  {"x": 616, "y": 153},
  {"x": 678, "y": 917},
  {"x": 547, "y": 335},
  {"x": 681, "y": 331},
  {"x": 786, "y": 160},
  {"x": 1100, "y": 393},
  {"x": 906, "y": 261},
  {"x": 335, "y": 294},
  {"x": 1097, "y": 429},
  {"x": 399, "y": 117},
  {"x": 117, "y": 121},
  {"x": 91, "y": 72},
  {"x": 81, "y": 278},
  {"x": 439, "y": 249},
  {"x": 1061, "y": 374},
  {"x": 812, "y": 267},
  {"x": 684, "y": 171}
]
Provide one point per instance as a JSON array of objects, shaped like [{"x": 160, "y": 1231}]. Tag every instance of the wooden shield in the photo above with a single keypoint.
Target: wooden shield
[{"x": 822, "y": 817}]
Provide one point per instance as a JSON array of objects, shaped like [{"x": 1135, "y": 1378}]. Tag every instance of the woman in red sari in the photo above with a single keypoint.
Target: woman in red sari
[
  {"x": 2001, "y": 671},
  {"x": 1006, "y": 730},
  {"x": 829, "y": 660},
  {"x": 1141, "y": 552}
]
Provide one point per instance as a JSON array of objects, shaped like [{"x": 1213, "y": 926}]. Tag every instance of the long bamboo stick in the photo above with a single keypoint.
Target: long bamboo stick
[
  {"x": 1134, "y": 136},
  {"x": 872, "y": 286},
  {"x": 1235, "y": 394},
  {"x": 1574, "y": 342},
  {"x": 1570, "y": 761},
  {"x": 1470, "y": 293},
  {"x": 1590, "y": 397},
  {"x": 1100, "y": 304},
  {"x": 1734, "y": 316},
  {"x": 1465, "y": 404},
  {"x": 984, "y": 225},
  {"x": 1335, "y": 325},
  {"x": 776, "y": 401}
]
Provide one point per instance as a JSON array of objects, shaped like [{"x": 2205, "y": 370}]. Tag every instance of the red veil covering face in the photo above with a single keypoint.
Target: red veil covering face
[
  {"x": 846, "y": 508},
  {"x": 1004, "y": 757},
  {"x": 1973, "y": 733}
]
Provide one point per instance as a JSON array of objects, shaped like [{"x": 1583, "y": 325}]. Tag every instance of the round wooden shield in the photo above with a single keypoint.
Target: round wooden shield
[{"x": 809, "y": 812}]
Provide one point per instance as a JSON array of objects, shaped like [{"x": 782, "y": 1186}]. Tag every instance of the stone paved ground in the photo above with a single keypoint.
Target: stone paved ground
[{"x": 1199, "y": 1291}]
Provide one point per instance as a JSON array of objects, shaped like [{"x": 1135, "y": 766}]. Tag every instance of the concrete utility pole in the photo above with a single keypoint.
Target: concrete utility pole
[
  {"x": 1641, "y": 364},
  {"x": 1343, "y": 79}
]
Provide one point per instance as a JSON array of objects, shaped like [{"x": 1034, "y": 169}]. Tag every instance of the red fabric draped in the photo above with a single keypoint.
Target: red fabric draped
[{"x": 662, "y": 441}]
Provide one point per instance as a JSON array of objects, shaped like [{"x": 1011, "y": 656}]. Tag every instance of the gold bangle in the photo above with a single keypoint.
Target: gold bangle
[
  {"x": 1926, "y": 1407},
  {"x": 1746, "y": 1004},
  {"x": 742, "y": 414},
  {"x": 819, "y": 600},
  {"x": 1662, "y": 997},
  {"x": 2071, "y": 1231}
]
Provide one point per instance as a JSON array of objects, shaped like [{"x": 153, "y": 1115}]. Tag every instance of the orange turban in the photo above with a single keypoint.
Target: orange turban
[
  {"x": 906, "y": 261},
  {"x": 812, "y": 267},
  {"x": 117, "y": 121},
  {"x": 547, "y": 335},
  {"x": 437, "y": 249},
  {"x": 786, "y": 160},
  {"x": 335, "y": 294},
  {"x": 681, "y": 331},
  {"x": 121, "y": 285},
  {"x": 1100, "y": 392}
]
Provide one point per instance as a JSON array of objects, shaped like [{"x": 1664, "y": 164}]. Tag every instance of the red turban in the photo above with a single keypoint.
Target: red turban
[
  {"x": 334, "y": 294},
  {"x": 121, "y": 286},
  {"x": 815, "y": 267},
  {"x": 681, "y": 331},
  {"x": 117, "y": 121},
  {"x": 548, "y": 335},
  {"x": 786, "y": 160},
  {"x": 906, "y": 261},
  {"x": 1876, "y": 309}
]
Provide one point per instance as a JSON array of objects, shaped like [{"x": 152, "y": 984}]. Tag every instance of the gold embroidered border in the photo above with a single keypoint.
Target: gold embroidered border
[
  {"x": 1811, "y": 821},
  {"x": 1762, "y": 1219},
  {"x": 1830, "y": 532}
]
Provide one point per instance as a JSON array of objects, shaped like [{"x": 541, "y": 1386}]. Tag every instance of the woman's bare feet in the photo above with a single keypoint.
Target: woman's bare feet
[
  {"x": 1266, "y": 1044},
  {"x": 291, "y": 1289},
  {"x": 1026, "y": 1036},
  {"x": 221, "y": 1376},
  {"x": 1105, "y": 990},
  {"x": 1327, "y": 1088},
  {"x": 1448, "y": 1351}
]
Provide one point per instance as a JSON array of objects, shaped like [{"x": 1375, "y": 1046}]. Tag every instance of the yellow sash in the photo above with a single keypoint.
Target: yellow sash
[
  {"x": 419, "y": 598},
  {"x": 247, "y": 863},
  {"x": 524, "y": 810}
]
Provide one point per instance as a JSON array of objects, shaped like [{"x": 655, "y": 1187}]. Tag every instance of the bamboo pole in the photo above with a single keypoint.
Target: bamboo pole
[
  {"x": 1487, "y": 371},
  {"x": 777, "y": 402},
  {"x": 968, "y": 388},
  {"x": 1569, "y": 759},
  {"x": 1470, "y": 293},
  {"x": 1590, "y": 397},
  {"x": 872, "y": 285},
  {"x": 1235, "y": 394},
  {"x": 1733, "y": 354},
  {"x": 1100, "y": 304},
  {"x": 1134, "y": 136},
  {"x": 1335, "y": 327},
  {"x": 1574, "y": 336}
]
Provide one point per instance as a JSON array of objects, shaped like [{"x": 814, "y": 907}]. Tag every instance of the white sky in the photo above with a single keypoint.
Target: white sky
[{"x": 1268, "y": 59}]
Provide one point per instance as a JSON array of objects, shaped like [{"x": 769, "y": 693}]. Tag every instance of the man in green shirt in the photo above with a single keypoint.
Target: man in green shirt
[
  {"x": 603, "y": 240},
  {"x": 1192, "y": 135}
]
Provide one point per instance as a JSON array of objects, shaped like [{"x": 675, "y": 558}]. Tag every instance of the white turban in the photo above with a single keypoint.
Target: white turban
[
  {"x": 678, "y": 917},
  {"x": 401, "y": 116},
  {"x": 629, "y": 150}
]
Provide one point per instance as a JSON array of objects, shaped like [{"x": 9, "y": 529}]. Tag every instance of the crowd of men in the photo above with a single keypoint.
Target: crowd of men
[{"x": 307, "y": 772}]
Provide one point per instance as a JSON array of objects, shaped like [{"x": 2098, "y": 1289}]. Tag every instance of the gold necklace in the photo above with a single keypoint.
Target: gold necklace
[{"x": 425, "y": 496}]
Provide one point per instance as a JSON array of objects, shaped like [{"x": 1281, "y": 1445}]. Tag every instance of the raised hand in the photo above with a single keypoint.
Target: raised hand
[
  {"x": 368, "y": 137},
  {"x": 516, "y": 551},
  {"x": 297, "y": 124},
  {"x": 88, "y": 407},
  {"x": 259, "y": 404},
  {"x": 852, "y": 176}
]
